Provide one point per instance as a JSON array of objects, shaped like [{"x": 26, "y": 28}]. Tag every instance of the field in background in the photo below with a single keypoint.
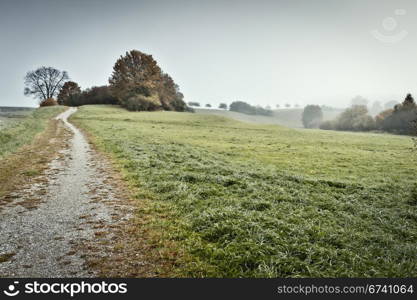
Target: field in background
[
  {"x": 229, "y": 199},
  {"x": 20, "y": 126},
  {"x": 285, "y": 117},
  {"x": 26, "y": 146},
  {"x": 11, "y": 115}
]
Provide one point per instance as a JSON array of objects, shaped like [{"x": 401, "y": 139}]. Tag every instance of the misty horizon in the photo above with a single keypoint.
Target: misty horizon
[{"x": 263, "y": 53}]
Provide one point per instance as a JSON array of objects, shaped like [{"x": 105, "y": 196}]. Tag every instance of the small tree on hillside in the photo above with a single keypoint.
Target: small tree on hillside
[
  {"x": 242, "y": 107},
  {"x": 68, "y": 90},
  {"x": 208, "y": 105},
  {"x": 44, "y": 83},
  {"x": 196, "y": 104},
  {"x": 223, "y": 105},
  {"x": 312, "y": 116}
]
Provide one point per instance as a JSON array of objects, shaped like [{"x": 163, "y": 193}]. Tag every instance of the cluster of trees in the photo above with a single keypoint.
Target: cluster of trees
[
  {"x": 376, "y": 106},
  {"x": 239, "y": 106},
  {"x": 355, "y": 118},
  {"x": 71, "y": 95},
  {"x": 137, "y": 83},
  {"x": 246, "y": 108},
  {"x": 399, "y": 119}
]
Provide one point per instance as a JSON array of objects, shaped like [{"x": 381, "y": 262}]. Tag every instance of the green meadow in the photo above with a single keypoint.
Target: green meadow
[
  {"x": 247, "y": 200},
  {"x": 22, "y": 129}
]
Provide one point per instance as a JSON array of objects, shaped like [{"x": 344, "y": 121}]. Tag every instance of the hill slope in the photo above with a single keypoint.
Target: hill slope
[
  {"x": 285, "y": 117},
  {"x": 217, "y": 197}
]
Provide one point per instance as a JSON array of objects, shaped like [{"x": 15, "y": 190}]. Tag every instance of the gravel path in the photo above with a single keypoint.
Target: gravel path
[{"x": 41, "y": 241}]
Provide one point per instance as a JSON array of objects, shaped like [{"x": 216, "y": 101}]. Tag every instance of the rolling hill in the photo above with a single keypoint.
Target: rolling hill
[{"x": 285, "y": 117}]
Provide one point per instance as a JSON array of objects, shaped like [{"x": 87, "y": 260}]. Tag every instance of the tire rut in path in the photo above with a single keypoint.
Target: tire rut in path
[{"x": 41, "y": 242}]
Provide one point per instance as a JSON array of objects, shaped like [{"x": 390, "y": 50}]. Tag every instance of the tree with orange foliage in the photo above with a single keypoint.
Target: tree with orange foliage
[
  {"x": 68, "y": 90},
  {"x": 138, "y": 83}
]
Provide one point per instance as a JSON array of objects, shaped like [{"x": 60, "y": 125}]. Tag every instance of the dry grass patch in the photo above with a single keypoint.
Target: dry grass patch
[{"x": 26, "y": 166}]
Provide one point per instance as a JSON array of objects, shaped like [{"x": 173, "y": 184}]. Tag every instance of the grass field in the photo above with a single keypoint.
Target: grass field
[
  {"x": 15, "y": 133},
  {"x": 245, "y": 200},
  {"x": 11, "y": 115},
  {"x": 26, "y": 147}
]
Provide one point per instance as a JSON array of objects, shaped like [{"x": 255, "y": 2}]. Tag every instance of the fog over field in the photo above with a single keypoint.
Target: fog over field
[
  {"x": 284, "y": 117},
  {"x": 262, "y": 52}
]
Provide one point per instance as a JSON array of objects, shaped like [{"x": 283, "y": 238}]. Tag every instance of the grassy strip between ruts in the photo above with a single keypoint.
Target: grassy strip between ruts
[
  {"x": 26, "y": 147},
  {"x": 222, "y": 198}
]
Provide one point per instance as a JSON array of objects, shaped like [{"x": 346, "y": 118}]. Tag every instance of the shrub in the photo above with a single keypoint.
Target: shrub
[
  {"x": 328, "y": 125},
  {"x": 178, "y": 104},
  {"x": 48, "y": 102},
  {"x": 189, "y": 109},
  {"x": 140, "y": 103},
  {"x": 223, "y": 105}
]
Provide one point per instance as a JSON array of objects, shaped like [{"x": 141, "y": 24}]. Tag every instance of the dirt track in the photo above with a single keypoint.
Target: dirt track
[{"x": 76, "y": 200}]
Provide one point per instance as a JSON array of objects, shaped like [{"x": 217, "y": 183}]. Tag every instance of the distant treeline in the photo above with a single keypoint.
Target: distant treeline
[
  {"x": 12, "y": 109},
  {"x": 241, "y": 107},
  {"x": 400, "y": 119}
]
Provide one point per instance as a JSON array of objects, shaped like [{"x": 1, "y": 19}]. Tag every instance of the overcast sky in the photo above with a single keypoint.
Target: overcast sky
[{"x": 262, "y": 52}]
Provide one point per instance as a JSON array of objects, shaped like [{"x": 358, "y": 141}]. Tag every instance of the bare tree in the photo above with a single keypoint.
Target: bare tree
[{"x": 45, "y": 82}]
